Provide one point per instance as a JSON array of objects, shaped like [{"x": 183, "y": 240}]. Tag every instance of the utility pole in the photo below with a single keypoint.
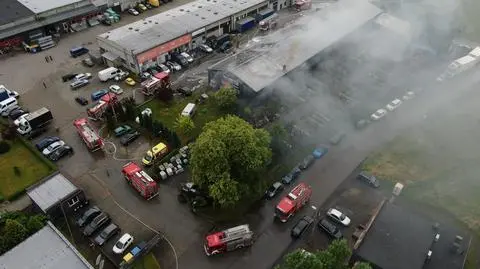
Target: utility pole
[{"x": 66, "y": 221}]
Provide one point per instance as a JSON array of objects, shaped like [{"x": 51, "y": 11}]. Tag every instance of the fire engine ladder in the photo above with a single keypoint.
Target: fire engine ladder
[
  {"x": 89, "y": 134},
  {"x": 236, "y": 233}
]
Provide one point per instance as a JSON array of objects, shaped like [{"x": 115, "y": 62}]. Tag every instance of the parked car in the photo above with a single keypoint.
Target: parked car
[
  {"x": 147, "y": 5},
  {"x": 369, "y": 179},
  {"x": 318, "y": 153},
  {"x": 52, "y": 147},
  {"x": 83, "y": 76},
  {"x": 338, "y": 216},
  {"x": 225, "y": 47},
  {"x": 121, "y": 130},
  {"x": 88, "y": 62},
  {"x": 302, "y": 225},
  {"x": 378, "y": 114},
  {"x": 394, "y": 104},
  {"x": 68, "y": 77},
  {"x": 116, "y": 89},
  {"x": 122, "y": 243},
  {"x": 307, "y": 162},
  {"x": 107, "y": 233},
  {"x": 273, "y": 190},
  {"x": 133, "y": 12},
  {"x": 130, "y": 81},
  {"x": 330, "y": 229},
  {"x": 142, "y": 7},
  {"x": 145, "y": 75},
  {"x": 60, "y": 153},
  {"x": 187, "y": 56},
  {"x": 81, "y": 100},
  {"x": 290, "y": 177},
  {"x": 46, "y": 141},
  {"x": 15, "y": 114},
  {"x": 205, "y": 48},
  {"x": 88, "y": 216},
  {"x": 178, "y": 58},
  {"x": 121, "y": 76},
  {"x": 78, "y": 83},
  {"x": 185, "y": 91},
  {"x": 164, "y": 68},
  {"x": 174, "y": 66},
  {"x": 96, "y": 224},
  {"x": 8, "y": 110},
  {"x": 98, "y": 94},
  {"x": 129, "y": 138},
  {"x": 408, "y": 95}
]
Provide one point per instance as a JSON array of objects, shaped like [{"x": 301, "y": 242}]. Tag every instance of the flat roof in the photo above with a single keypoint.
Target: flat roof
[
  {"x": 47, "y": 248},
  {"x": 150, "y": 32},
  {"x": 399, "y": 239},
  {"x": 39, "y": 6},
  {"x": 50, "y": 191},
  {"x": 12, "y": 10},
  {"x": 261, "y": 64}
]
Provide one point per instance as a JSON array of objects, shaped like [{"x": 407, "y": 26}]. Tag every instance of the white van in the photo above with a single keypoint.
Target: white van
[
  {"x": 189, "y": 110},
  {"x": 108, "y": 73},
  {"x": 7, "y": 104}
]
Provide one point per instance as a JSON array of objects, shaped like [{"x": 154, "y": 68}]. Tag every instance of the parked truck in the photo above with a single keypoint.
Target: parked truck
[
  {"x": 461, "y": 65},
  {"x": 35, "y": 120},
  {"x": 263, "y": 14},
  {"x": 140, "y": 180},
  {"x": 89, "y": 136},
  {"x": 293, "y": 202},
  {"x": 268, "y": 23},
  {"x": 245, "y": 24},
  {"x": 159, "y": 81},
  {"x": 228, "y": 240},
  {"x": 97, "y": 111}
]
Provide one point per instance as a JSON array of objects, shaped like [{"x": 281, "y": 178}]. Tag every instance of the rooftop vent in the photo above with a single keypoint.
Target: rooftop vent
[
  {"x": 199, "y": 6},
  {"x": 130, "y": 28},
  {"x": 215, "y": 13},
  {"x": 144, "y": 22},
  {"x": 196, "y": 15},
  {"x": 188, "y": 10},
  {"x": 150, "y": 21},
  {"x": 203, "y": 18},
  {"x": 137, "y": 30},
  {"x": 156, "y": 22},
  {"x": 181, "y": 9}
]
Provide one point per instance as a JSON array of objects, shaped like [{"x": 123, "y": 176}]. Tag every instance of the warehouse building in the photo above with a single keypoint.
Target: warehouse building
[
  {"x": 261, "y": 65},
  {"x": 150, "y": 41}
]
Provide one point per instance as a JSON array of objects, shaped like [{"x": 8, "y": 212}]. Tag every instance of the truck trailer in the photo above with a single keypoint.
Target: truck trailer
[
  {"x": 245, "y": 24},
  {"x": 35, "y": 120}
]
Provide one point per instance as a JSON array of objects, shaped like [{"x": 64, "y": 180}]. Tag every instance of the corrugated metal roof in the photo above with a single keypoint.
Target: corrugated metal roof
[
  {"x": 47, "y": 248},
  {"x": 161, "y": 28},
  {"x": 51, "y": 191},
  {"x": 39, "y": 6}
]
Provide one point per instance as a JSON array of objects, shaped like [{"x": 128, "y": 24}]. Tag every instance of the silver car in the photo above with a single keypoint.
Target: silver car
[
  {"x": 78, "y": 83},
  {"x": 52, "y": 147}
]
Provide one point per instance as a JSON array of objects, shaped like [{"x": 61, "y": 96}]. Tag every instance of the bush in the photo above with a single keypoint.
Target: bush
[
  {"x": 16, "y": 171},
  {"x": 9, "y": 133},
  {"x": 4, "y": 147}
]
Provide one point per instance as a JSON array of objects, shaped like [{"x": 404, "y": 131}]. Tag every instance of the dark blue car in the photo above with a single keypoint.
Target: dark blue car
[
  {"x": 45, "y": 142},
  {"x": 292, "y": 175},
  {"x": 98, "y": 94}
]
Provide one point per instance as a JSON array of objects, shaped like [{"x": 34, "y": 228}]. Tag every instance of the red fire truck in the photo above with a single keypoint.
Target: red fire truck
[
  {"x": 96, "y": 112},
  {"x": 140, "y": 181},
  {"x": 87, "y": 133},
  {"x": 268, "y": 23},
  {"x": 158, "y": 81},
  {"x": 293, "y": 202},
  {"x": 303, "y": 5},
  {"x": 228, "y": 240}
]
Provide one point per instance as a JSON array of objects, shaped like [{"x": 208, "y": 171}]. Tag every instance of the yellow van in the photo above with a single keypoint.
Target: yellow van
[
  {"x": 156, "y": 152},
  {"x": 154, "y": 3}
]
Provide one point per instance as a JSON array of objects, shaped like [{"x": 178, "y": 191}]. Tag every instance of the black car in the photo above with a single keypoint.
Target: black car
[
  {"x": 290, "y": 177},
  {"x": 307, "y": 162},
  {"x": 97, "y": 223},
  {"x": 369, "y": 179},
  {"x": 302, "y": 225},
  {"x": 185, "y": 91},
  {"x": 68, "y": 77},
  {"x": 107, "y": 233},
  {"x": 330, "y": 229},
  {"x": 88, "y": 215},
  {"x": 15, "y": 114},
  {"x": 129, "y": 138},
  {"x": 81, "y": 100},
  {"x": 275, "y": 189},
  {"x": 45, "y": 142},
  {"x": 60, "y": 153},
  {"x": 180, "y": 59},
  {"x": 225, "y": 47}
]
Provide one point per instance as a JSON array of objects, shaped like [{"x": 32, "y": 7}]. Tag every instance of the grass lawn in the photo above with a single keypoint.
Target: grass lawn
[
  {"x": 31, "y": 168},
  {"x": 147, "y": 262},
  {"x": 168, "y": 113}
]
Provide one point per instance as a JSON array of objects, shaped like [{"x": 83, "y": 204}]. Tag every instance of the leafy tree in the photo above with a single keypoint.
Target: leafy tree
[
  {"x": 336, "y": 256},
  {"x": 13, "y": 233},
  {"x": 362, "y": 265},
  {"x": 147, "y": 122},
  {"x": 165, "y": 94},
  {"x": 229, "y": 150},
  {"x": 9, "y": 132},
  {"x": 110, "y": 120},
  {"x": 226, "y": 97},
  {"x": 184, "y": 125},
  {"x": 120, "y": 112},
  {"x": 130, "y": 108},
  {"x": 35, "y": 223},
  {"x": 300, "y": 259}
]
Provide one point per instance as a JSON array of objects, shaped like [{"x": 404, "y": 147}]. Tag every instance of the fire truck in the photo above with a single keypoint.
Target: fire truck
[
  {"x": 268, "y": 23},
  {"x": 157, "y": 82},
  {"x": 87, "y": 133},
  {"x": 140, "y": 180},
  {"x": 303, "y": 5},
  {"x": 293, "y": 202},
  {"x": 228, "y": 240},
  {"x": 96, "y": 112}
]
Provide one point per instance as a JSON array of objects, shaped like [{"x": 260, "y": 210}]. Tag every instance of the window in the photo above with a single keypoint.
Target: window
[{"x": 73, "y": 201}]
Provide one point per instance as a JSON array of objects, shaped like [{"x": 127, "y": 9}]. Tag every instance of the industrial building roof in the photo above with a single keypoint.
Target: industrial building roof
[
  {"x": 47, "y": 248},
  {"x": 158, "y": 29},
  {"x": 11, "y": 10},
  {"x": 262, "y": 64},
  {"x": 50, "y": 191},
  {"x": 39, "y": 6},
  {"x": 399, "y": 238}
]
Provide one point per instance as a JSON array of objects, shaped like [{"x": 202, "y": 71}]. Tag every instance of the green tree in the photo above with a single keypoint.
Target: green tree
[
  {"x": 226, "y": 97},
  {"x": 362, "y": 265},
  {"x": 184, "y": 125},
  {"x": 110, "y": 120},
  {"x": 35, "y": 223},
  {"x": 130, "y": 108},
  {"x": 336, "y": 255},
  {"x": 13, "y": 233},
  {"x": 300, "y": 259},
  {"x": 229, "y": 150}
]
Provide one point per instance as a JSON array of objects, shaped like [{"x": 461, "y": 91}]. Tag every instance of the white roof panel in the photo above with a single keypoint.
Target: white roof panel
[
  {"x": 39, "y": 6},
  {"x": 51, "y": 191}
]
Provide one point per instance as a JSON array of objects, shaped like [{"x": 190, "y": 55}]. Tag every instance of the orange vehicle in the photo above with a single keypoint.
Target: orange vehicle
[
  {"x": 96, "y": 112},
  {"x": 228, "y": 240},
  {"x": 140, "y": 180},
  {"x": 93, "y": 141},
  {"x": 293, "y": 202}
]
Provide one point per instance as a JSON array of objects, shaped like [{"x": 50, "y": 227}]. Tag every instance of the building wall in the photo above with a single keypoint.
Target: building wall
[
  {"x": 69, "y": 205},
  {"x": 126, "y": 57}
]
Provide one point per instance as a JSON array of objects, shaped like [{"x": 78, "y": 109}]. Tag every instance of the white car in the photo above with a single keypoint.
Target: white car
[
  {"x": 378, "y": 114},
  {"x": 122, "y": 243},
  {"x": 147, "y": 112},
  {"x": 187, "y": 56},
  {"x": 164, "y": 68},
  {"x": 338, "y": 216},
  {"x": 52, "y": 147},
  {"x": 206, "y": 48},
  {"x": 12, "y": 93},
  {"x": 394, "y": 104},
  {"x": 83, "y": 76},
  {"x": 116, "y": 89},
  {"x": 408, "y": 95},
  {"x": 173, "y": 66},
  {"x": 133, "y": 12},
  {"x": 20, "y": 119}
]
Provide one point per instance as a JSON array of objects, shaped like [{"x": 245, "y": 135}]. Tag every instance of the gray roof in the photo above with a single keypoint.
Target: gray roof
[
  {"x": 50, "y": 191},
  {"x": 39, "y": 6},
  {"x": 11, "y": 10},
  {"x": 158, "y": 29},
  {"x": 400, "y": 239},
  {"x": 261, "y": 64},
  {"x": 47, "y": 248}
]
